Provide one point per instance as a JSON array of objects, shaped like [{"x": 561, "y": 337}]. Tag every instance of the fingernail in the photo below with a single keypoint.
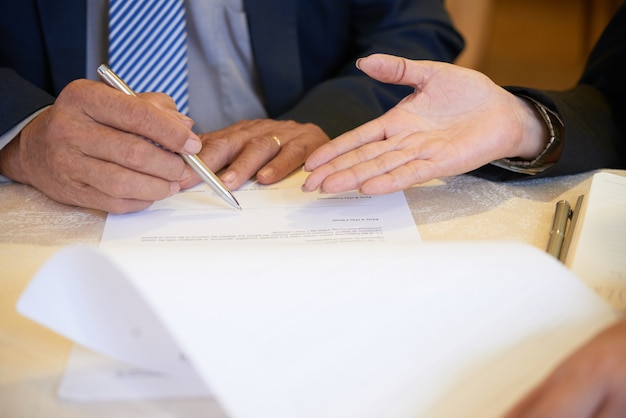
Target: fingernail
[
  {"x": 229, "y": 176},
  {"x": 174, "y": 188},
  {"x": 192, "y": 146},
  {"x": 265, "y": 173},
  {"x": 358, "y": 63}
]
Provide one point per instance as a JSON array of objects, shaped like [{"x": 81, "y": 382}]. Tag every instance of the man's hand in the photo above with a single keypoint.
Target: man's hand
[
  {"x": 271, "y": 149},
  {"x": 89, "y": 149},
  {"x": 456, "y": 120}
]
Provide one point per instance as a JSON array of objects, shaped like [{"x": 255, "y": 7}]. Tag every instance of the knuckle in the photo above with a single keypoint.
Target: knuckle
[
  {"x": 119, "y": 188},
  {"x": 159, "y": 99},
  {"x": 298, "y": 149},
  {"x": 262, "y": 144},
  {"x": 247, "y": 123},
  {"x": 220, "y": 142},
  {"x": 246, "y": 161},
  {"x": 75, "y": 87},
  {"x": 74, "y": 93},
  {"x": 290, "y": 124},
  {"x": 135, "y": 154},
  {"x": 137, "y": 112}
]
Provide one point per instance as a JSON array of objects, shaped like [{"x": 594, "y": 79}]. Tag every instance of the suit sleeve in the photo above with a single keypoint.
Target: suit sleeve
[
  {"x": 593, "y": 112},
  {"x": 19, "y": 99},
  {"x": 415, "y": 29}
]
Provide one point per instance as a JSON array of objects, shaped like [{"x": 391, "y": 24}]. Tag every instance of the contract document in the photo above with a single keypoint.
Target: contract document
[
  {"x": 272, "y": 215},
  {"x": 276, "y": 214}
]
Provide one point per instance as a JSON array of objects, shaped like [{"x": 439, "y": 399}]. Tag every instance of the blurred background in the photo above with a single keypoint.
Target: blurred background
[{"x": 536, "y": 43}]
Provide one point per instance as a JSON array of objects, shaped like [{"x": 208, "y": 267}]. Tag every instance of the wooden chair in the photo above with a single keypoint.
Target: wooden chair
[
  {"x": 473, "y": 18},
  {"x": 596, "y": 14}
]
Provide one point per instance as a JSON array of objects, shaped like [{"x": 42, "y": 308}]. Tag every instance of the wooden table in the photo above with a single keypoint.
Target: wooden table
[{"x": 33, "y": 227}]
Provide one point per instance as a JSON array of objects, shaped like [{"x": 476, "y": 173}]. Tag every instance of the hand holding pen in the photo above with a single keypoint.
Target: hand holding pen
[
  {"x": 109, "y": 77},
  {"x": 88, "y": 149}
]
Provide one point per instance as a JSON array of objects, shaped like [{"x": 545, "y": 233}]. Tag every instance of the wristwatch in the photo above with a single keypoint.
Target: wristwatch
[{"x": 537, "y": 164}]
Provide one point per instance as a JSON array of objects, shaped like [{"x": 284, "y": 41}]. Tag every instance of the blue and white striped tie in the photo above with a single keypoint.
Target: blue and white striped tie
[{"x": 148, "y": 46}]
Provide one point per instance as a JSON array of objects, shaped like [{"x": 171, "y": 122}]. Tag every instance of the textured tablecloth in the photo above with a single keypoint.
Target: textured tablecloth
[{"x": 33, "y": 227}]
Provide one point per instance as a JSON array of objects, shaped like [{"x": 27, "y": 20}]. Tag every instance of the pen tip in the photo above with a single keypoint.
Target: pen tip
[{"x": 234, "y": 202}]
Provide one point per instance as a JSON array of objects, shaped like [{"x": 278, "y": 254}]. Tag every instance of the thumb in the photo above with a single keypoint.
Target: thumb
[{"x": 396, "y": 70}]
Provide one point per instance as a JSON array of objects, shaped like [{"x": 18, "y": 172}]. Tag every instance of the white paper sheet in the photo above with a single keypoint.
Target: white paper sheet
[
  {"x": 435, "y": 330},
  {"x": 92, "y": 377},
  {"x": 277, "y": 214}
]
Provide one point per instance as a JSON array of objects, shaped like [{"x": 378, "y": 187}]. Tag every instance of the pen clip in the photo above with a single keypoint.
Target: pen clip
[{"x": 570, "y": 229}]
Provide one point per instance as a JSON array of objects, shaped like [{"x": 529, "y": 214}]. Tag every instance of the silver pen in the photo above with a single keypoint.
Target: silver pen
[
  {"x": 562, "y": 214},
  {"x": 108, "y": 76}
]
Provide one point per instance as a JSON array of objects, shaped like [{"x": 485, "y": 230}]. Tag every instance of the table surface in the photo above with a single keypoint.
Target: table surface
[{"x": 33, "y": 227}]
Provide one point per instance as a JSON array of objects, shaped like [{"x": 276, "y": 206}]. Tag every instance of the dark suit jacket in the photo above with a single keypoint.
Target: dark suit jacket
[
  {"x": 593, "y": 112},
  {"x": 304, "y": 51}
]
